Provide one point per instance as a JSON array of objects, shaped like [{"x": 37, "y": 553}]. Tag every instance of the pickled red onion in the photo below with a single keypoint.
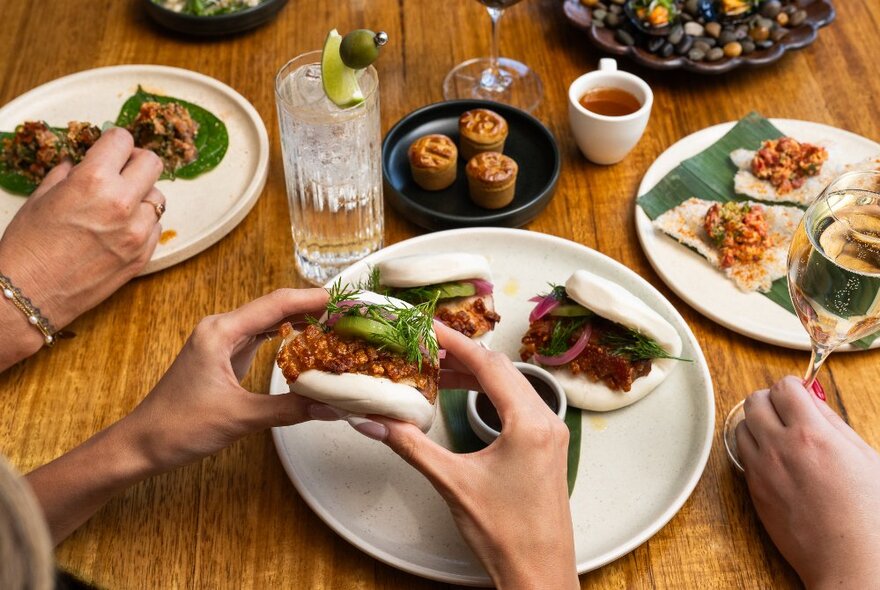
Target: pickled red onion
[
  {"x": 545, "y": 306},
  {"x": 570, "y": 354},
  {"x": 482, "y": 287}
]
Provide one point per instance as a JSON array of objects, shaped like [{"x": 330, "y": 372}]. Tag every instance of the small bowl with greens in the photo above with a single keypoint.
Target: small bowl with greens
[{"x": 212, "y": 17}]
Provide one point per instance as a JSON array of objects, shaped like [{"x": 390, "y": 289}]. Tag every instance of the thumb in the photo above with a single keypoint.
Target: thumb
[
  {"x": 835, "y": 420},
  {"x": 56, "y": 175},
  {"x": 261, "y": 411}
]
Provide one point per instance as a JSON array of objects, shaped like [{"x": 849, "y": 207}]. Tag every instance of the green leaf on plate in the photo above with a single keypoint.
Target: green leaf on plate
[
  {"x": 453, "y": 407},
  {"x": 11, "y": 180},
  {"x": 709, "y": 176},
  {"x": 212, "y": 139}
]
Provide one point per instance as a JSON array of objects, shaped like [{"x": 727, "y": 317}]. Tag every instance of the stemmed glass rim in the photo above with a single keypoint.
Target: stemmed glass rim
[{"x": 832, "y": 188}]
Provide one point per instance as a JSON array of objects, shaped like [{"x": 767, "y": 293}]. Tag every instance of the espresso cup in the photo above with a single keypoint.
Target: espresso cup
[{"x": 606, "y": 139}]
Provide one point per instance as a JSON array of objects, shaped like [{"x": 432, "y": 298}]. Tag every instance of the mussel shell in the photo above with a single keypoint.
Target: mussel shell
[
  {"x": 653, "y": 31},
  {"x": 709, "y": 10}
]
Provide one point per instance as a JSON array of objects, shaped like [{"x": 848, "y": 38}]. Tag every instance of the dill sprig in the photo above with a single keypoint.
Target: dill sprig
[
  {"x": 373, "y": 282},
  {"x": 557, "y": 292},
  {"x": 560, "y": 337},
  {"x": 636, "y": 347},
  {"x": 410, "y": 329}
]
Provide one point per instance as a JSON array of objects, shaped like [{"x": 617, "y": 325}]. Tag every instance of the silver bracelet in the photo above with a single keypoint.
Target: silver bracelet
[{"x": 32, "y": 312}]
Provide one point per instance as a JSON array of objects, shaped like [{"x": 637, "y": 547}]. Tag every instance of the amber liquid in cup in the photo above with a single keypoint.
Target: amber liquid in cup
[{"x": 611, "y": 102}]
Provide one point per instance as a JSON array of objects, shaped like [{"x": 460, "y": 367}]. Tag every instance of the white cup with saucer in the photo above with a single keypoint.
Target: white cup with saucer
[{"x": 605, "y": 139}]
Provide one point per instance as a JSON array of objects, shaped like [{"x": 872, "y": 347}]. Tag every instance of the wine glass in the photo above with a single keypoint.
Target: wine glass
[
  {"x": 833, "y": 275},
  {"x": 495, "y": 78}
]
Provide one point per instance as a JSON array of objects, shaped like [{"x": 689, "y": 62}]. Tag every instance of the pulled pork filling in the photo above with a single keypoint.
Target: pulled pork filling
[
  {"x": 739, "y": 230},
  {"x": 168, "y": 130},
  {"x": 35, "y": 148},
  {"x": 786, "y": 163},
  {"x": 325, "y": 351},
  {"x": 468, "y": 315},
  {"x": 597, "y": 361}
]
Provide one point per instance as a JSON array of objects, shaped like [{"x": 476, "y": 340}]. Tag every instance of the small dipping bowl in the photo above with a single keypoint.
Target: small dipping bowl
[{"x": 483, "y": 417}]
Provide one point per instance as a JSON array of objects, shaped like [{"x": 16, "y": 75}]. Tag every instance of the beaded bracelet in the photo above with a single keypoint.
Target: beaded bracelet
[{"x": 35, "y": 318}]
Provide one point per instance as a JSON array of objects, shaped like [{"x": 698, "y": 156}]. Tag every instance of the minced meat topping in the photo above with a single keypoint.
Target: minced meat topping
[
  {"x": 739, "y": 230},
  {"x": 35, "y": 148},
  {"x": 786, "y": 163},
  {"x": 168, "y": 130},
  {"x": 325, "y": 351}
]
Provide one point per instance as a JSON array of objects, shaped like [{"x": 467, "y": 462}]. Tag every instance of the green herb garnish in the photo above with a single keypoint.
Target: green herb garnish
[
  {"x": 560, "y": 337},
  {"x": 410, "y": 329},
  {"x": 636, "y": 347}
]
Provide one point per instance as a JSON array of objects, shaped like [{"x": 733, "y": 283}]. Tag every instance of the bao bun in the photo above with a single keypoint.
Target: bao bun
[
  {"x": 363, "y": 394},
  {"x": 431, "y": 269},
  {"x": 616, "y": 304}
]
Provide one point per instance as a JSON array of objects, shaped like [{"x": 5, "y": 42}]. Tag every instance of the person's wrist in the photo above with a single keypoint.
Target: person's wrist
[
  {"x": 534, "y": 566},
  {"x": 31, "y": 276}
]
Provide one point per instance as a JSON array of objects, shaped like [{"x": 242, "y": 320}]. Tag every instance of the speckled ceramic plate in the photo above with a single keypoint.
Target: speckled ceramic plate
[
  {"x": 696, "y": 281},
  {"x": 200, "y": 211},
  {"x": 638, "y": 464},
  {"x": 820, "y": 13}
]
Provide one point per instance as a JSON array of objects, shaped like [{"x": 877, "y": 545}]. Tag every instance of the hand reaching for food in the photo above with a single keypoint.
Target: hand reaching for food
[
  {"x": 815, "y": 485},
  {"x": 83, "y": 233},
  {"x": 510, "y": 500},
  {"x": 197, "y": 409}
]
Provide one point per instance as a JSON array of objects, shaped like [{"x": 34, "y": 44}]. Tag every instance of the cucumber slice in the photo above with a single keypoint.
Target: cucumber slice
[
  {"x": 370, "y": 330},
  {"x": 451, "y": 290},
  {"x": 571, "y": 310}
]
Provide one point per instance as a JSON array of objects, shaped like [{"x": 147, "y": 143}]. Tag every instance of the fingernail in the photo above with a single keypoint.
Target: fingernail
[
  {"x": 325, "y": 412},
  {"x": 368, "y": 428}
]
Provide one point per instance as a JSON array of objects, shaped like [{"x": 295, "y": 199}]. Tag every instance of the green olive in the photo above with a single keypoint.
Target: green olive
[{"x": 360, "y": 48}]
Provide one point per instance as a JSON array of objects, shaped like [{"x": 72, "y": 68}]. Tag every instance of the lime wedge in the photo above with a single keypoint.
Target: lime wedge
[{"x": 340, "y": 83}]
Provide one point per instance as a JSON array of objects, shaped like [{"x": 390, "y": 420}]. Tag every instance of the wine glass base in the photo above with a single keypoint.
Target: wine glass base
[
  {"x": 736, "y": 415},
  {"x": 518, "y": 85}
]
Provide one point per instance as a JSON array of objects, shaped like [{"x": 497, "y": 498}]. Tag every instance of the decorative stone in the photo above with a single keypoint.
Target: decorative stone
[
  {"x": 713, "y": 29},
  {"x": 615, "y": 9},
  {"x": 612, "y": 20},
  {"x": 599, "y": 14},
  {"x": 733, "y": 49},
  {"x": 782, "y": 19},
  {"x": 685, "y": 45},
  {"x": 666, "y": 50},
  {"x": 702, "y": 46},
  {"x": 692, "y": 7},
  {"x": 798, "y": 18},
  {"x": 759, "y": 34},
  {"x": 589, "y": 3},
  {"x": 694, "y": 29},
  {"x": 726, "y": 37},
  {"x": 741, "y": 32},
  {"x": 696, "y": 55},
  {"x": 771, "y": 8},
  {"x": 708, "y": 41},
  {"x": 748, "y": 46},
  {"x": 675, "y": 34},
  {"x": 778, "y": 34},
  {"x": 715, "y": 54},
  {"x": 624, "y": 37}
]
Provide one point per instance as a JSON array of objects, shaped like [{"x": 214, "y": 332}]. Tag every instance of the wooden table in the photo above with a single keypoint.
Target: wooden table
[{"x": 235, "y": 520}]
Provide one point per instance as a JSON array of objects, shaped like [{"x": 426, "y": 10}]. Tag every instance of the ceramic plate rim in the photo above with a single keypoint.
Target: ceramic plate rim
[
  {"x": 698, "y": 467},
  {"x": 689, "y": 146},
  {"x": 232, "y": 216}
]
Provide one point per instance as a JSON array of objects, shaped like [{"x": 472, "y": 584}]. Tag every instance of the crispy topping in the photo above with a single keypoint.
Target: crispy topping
[
  {"x": 786, "y": 163},
  {"x": 169, "y": 131},
  {"x": 325, "y": 351},
  {"x": 433, "y": 151},
  {"x": 482, "y": 126},
  {"x": 597, "y": 361},
  {"x": 469, "y": 315},
  {"x": 492, "y": 168},
  {"x": 739, "y": 230}
]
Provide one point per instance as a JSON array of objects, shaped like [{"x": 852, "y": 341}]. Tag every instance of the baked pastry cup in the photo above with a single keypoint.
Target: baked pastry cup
[
  {"x": 491, "y": 179},
  {"x": 481, "y": 131},
  {"x": 433, "y": 160}
]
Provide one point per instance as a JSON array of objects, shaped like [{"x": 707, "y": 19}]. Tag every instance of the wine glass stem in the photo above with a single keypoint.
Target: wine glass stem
[
  {"x": 491, "y": 79},
  {"x": 820, "y": 353}
]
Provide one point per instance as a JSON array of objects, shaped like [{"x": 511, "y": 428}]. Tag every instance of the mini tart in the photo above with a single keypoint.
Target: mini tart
[
  {"x": 433, "y": 160},
  {"x": 491, "y": 179},
  {"x": 481, "y": 130}
]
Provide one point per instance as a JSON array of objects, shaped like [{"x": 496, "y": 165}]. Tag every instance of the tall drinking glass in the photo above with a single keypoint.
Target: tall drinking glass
[
  {"x": 495, "y": 78},
  {"x": 332, "y": 168},
  {"x": 833, "y": 274}
]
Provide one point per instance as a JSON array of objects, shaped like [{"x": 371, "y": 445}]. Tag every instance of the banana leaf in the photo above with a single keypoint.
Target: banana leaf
[
  {"x": 212, "y": 139},
  {"x": 709, "y": 175},
  {"x": 453, "y": 406}
]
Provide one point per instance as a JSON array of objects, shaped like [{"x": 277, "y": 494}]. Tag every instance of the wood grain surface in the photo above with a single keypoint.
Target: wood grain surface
[{"x": 235, "y": 520}]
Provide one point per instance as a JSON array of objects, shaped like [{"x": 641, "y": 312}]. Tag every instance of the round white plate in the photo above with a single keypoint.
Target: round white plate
[
  {"x": 201, "y": 211},
  {"x": 638, "y": 464},
  {"x": 702, "y": 286}
]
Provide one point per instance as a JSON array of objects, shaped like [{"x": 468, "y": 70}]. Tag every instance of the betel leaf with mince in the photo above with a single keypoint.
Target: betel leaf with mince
[
  {"x": 211, "y": 140},
  {"x": 11, "y": 180}
]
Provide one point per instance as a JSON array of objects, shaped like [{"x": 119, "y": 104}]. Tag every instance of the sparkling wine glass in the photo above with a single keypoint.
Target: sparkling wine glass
[
  {"x": 495, "y": 78},
  {"x": 833, "y": 275}
]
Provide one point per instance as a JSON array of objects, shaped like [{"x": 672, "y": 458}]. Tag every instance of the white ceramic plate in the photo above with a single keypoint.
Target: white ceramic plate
[
  {"x": 201, "y": 211},
  {"x": 638, "y": 464},
  {"x": 703, "y": 287}
]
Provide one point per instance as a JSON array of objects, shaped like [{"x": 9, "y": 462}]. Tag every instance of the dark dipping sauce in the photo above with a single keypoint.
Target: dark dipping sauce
[{"x": 489, "y": 414}]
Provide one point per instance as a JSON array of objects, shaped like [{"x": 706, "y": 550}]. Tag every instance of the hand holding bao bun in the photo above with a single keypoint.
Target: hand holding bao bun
[
  {"x": 604, "y": 345},
  {"x": 368, "y": 354}
]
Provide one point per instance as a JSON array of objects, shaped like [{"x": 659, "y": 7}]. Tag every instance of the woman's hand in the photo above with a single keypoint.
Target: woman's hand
[
  {"x": 510, "y": 500},
  {"x": 815, "y": 485},
  {"x": 85, "y": 231},
  {"x": 196, "y": 409}
]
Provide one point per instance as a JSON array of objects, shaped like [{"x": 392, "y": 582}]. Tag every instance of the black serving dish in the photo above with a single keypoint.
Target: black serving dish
[
  {"x": 221, "y": 24},
  {"x": 529, "y": 143}
]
